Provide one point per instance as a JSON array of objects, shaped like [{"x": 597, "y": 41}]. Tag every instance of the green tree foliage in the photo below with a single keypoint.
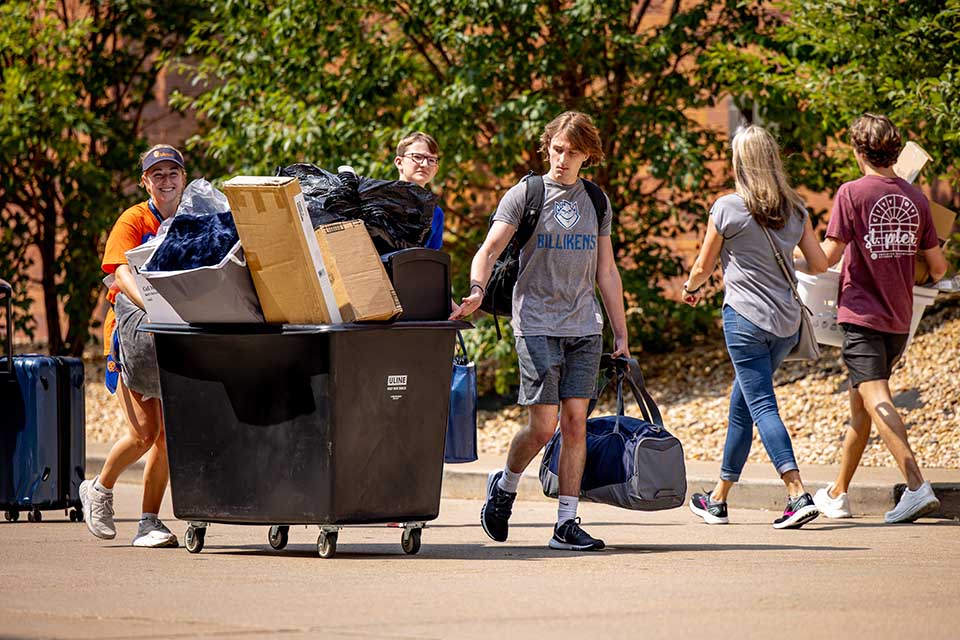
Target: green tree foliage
[
  {"x": 74, "y": 81},
  {"x": 286, "y": 82},
  {"x": 813, "y": 67}
]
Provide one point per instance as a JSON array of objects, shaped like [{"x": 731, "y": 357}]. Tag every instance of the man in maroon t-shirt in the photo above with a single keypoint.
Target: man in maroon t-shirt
[{"x": 879, "y": 223}]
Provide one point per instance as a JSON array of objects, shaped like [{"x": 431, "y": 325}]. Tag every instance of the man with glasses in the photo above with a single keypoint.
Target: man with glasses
[{"x": 418, "y": 156}]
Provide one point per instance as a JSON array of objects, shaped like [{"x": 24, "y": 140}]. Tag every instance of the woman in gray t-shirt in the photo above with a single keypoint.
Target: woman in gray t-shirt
[{"x": 761, "y": 319}]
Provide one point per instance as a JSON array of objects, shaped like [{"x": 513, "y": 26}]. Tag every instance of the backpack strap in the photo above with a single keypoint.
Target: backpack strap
[
  {"x": 532, "y": 207},
  {"x": 533, "y": 204},
  {"x": 597, "y": 198}
]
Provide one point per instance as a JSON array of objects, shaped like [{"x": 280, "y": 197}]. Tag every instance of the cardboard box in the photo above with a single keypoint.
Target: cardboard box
[
  {"x": 943, "y": 220},
  {"x": 281, "y": 250},
  {"x": 157, "y": 308},
  {"x": 360, "y": 283},
  {"x": 911, "y": 161}
]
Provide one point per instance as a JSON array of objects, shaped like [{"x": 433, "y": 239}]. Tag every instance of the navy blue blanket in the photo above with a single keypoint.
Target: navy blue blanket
[{"x": 195, "y": 240}]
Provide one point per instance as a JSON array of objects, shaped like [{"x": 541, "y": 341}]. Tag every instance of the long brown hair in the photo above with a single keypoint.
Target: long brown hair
[
  {"x": 760, "y": 178},
  {"x": 580, "y": 131}
]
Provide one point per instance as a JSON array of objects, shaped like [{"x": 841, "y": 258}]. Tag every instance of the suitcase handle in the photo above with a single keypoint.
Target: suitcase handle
[{"x": 7, "y": 291}]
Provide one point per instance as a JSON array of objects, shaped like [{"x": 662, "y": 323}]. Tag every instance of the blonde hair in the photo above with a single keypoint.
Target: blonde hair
[
  {"x": 760, "y": 178},
  {"x": 580, "y": 131}
]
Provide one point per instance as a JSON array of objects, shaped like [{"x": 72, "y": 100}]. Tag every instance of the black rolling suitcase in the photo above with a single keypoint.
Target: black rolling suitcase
[{"x": 42, "y": 430}]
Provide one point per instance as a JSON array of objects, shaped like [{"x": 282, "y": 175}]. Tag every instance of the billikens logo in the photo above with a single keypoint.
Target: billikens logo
[{"x": 567, "y": 213}]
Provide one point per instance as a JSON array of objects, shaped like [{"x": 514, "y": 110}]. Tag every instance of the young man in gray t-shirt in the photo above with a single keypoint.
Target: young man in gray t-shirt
[{"x": 556, "y": 321}]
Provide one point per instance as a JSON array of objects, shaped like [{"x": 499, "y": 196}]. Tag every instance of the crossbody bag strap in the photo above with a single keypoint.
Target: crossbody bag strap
[{"x": 783, "y": 268}]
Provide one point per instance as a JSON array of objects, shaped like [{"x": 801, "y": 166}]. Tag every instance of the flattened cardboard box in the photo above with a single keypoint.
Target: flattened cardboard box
[
  {"x": 281, "y": 250},
  {"x": 360, "y": 282},
  {"x": 943, "y": 220}
]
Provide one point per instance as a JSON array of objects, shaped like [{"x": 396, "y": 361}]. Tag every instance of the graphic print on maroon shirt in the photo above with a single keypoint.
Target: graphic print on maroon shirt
[{"x": 884, "y": 222}]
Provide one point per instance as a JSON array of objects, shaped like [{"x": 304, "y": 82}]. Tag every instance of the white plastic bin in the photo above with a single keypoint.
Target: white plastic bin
[{"x": 819, "y": 293}]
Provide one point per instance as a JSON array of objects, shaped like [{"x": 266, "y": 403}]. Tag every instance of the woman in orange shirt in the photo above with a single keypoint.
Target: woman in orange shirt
[{"x": 131, "y": 365}]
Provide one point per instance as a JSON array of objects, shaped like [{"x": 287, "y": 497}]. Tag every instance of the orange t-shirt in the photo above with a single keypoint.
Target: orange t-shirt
[{"x": 135, "y": 226}]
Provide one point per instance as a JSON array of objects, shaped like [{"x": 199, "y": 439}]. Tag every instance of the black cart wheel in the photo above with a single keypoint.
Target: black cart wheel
[
  {"x": 11, "y": 516},
  {"x": 327, "y": 544},
  {"x": 34, "y": 516},
  {"x": 279, "y": 534},
  {"x": 77, "y": 514},
  {"x": 410, "y": 541},
  {"x": 73, "y": 515},
  {"x": 194, "y": 539}
]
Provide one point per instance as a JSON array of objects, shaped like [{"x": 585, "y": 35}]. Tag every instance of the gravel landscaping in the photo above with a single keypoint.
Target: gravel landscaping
[{"x": 691, "y": 389}]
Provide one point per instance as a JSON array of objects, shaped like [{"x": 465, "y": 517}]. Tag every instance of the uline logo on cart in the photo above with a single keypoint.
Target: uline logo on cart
[{"x": 396, "y": 383}]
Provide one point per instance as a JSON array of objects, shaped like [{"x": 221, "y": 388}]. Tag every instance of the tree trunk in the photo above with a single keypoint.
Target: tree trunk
[{"x": 48, "y": 248}]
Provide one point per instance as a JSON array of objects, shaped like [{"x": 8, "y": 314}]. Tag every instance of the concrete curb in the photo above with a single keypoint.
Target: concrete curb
[
  {"x": 872, "y": 497},
  {"x": 866, "y": 499}
]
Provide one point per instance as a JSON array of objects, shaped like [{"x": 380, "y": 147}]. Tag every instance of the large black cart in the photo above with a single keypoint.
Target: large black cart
[{"x": 330, "y": 425}]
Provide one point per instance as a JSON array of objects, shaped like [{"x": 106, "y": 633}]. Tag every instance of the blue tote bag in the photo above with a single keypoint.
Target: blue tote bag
[{"x": 461, "y": 442}]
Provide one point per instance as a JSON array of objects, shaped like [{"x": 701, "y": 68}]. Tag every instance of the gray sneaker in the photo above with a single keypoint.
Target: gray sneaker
[
  {"x": 913, "y": 505},
  {"x": 97, "y": 510},
  {"x": 154, "y": 534}
]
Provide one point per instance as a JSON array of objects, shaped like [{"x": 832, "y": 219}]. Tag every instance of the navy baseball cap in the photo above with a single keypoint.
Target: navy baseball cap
[{"x": 162, "y": 154}]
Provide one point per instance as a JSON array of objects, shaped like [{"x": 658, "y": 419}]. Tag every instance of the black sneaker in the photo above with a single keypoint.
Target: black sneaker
[
  {"x": 712, "y": 511},
  {"x": 570, "y": 537},
  {"x": 495, "y": 513},
  {"x": 798, "y": 512}
]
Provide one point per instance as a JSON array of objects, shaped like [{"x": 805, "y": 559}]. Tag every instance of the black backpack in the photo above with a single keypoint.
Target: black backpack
[{"x": 498, "y": 296}]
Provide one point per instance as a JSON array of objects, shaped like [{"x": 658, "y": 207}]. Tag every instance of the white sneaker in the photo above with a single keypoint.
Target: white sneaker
[
  {"x": 97, "y": 510},
  {"x": 838, "y": 507},
  {"x": 913, "y": 505},
  {"x": 154, "y": 534}
]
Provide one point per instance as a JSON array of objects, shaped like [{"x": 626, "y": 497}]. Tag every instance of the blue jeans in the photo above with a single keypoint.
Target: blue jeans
[{"x": 756, "y": 354}]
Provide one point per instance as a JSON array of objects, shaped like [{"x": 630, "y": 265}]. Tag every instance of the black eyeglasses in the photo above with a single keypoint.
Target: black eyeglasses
[{"x": 419, "y": 158}]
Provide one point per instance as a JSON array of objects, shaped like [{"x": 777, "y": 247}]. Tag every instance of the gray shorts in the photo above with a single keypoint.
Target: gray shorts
[{"x": 554, "y": 369}]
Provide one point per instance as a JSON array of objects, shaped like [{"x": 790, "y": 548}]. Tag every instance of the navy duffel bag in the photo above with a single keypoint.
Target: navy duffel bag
[{"x": 631, "y": 463}]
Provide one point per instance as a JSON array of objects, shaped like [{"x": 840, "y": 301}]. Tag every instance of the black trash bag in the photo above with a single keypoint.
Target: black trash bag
[
  {"x": 398, "y": 214},
  {"x": 323, "y": 192},
  {"x": 194, "y": 240},
  {"x": 344, "y": 199}
]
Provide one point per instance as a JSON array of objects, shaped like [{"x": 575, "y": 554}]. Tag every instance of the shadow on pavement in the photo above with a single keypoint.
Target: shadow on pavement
[
  {"x": 883, "y": 525},
  {"x": 480, "y": 551}
]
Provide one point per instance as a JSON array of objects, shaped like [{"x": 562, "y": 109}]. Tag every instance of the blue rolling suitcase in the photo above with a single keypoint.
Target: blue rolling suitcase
[{"x": 42, "y": 431}]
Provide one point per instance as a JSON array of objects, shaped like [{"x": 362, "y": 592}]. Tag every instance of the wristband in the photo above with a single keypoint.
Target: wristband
[
  {"x": 482, "y": 290},
  {"x": 691, "y": 291}
]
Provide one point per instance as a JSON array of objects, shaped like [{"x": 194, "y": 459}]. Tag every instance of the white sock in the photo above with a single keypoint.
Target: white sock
[
  {"x": 567, "y": 508},
  {"x": 509, "y": 481},
  {"x": 148, "y": 516},
  {"x": 102, "y": 489}
]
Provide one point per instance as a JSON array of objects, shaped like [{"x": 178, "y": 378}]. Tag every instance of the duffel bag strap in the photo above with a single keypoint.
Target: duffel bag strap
[
  {"x": 634, "y": 377},
  {"x": 625, "y": 370},
  {"x": 607, "y": 374}
]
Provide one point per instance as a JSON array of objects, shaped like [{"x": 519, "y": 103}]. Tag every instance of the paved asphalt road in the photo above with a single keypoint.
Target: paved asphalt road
[{"x": 664, "y": 575}]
